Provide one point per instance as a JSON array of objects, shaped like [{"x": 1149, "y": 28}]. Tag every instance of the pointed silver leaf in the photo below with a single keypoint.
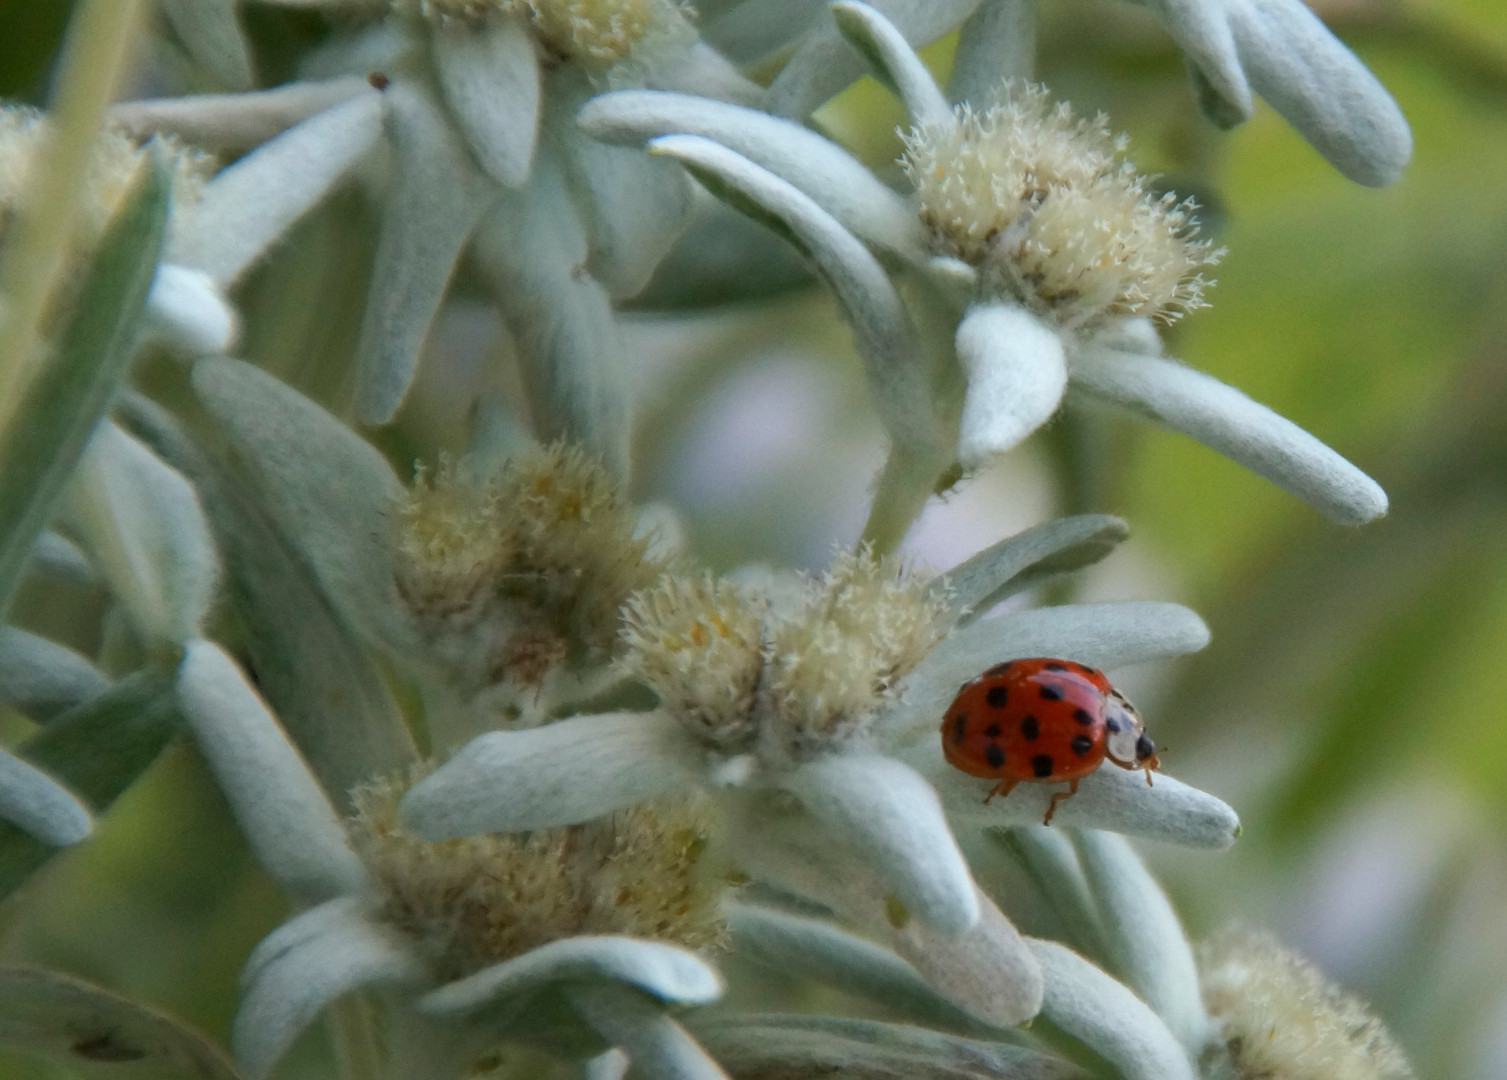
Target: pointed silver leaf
[
  {"x": 489, "y": 75},
  {"x": 559, "y": 774},
  {"x": 892, "y": 59},
  {"x": 147, "y": 535},
  {"x": 1144, "y": 937},
  {"x": 35, "y": 802},
  {"x": 1203, "y": 31},
  {"x": 1089, "y": 1005},
  {"x": 839, "y": 182},
  {"x": 666, "y": 973},
  {"x": 1026, "y": 559},
  {"x": 287, "y": 819},
  {"x": 189, "y": 314},
  {"x": 303, "y": 966},
  {"x": 436, "y": 197},
  {"x": 247, "y": 207},
  {"x": 1016, "y": 378},
  {"x": 234, "y": 121},
  {"x": 1321, "y": 88},
  {"x": 996, "y": 44},
  {"x": 1224, "y": 419},
  {"x": 898, "y": 377},
  {"x": 656, "y": 1045},
  {"x": 886, "y": 814},
  {"x": 40, "y": 678},
  {"x": 210, "y": 32}
]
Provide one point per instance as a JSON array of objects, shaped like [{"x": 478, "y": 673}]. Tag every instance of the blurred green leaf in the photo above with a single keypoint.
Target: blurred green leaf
[{"x": 66, "y": 398}]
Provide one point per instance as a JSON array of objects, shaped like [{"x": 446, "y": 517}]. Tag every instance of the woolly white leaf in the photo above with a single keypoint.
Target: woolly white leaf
[
  {"x": 329, "y": 490},
  {"x": 1091, "y": 1006},
  {"x": 40, "y": 678},
  {"x": 1016, "y": 377},
  {"x": 891, "y": 57},
  {"x": 885, "y": 813},
  {"x": 35, "y": 802},
  {"x": 287, "y": 819},
  {"x": 1223, "y": 418},
  {"x": 656, "y": 1045},
  {"x": 142, "y": 523},
  {"x": 670, "y": 975},
  {"x": 1102, "y": 635},
  {"x": 436, "y": 197},
  {"x": 1020, "y": 561},
  {"x": 1108, "y": 798},
  {"x": 996, "y": 44},
  {"x": 235, "y": 121},
  {"x": 533, "y": 250},
  {"x": 635, "y": 205},
  {"x": 560, "y": 774},
  {"x": 303, "y": 966},
  {"x": 489, "y": 75},
  {"x": 1144, "y": 936},
  {"x": 796, "y": 946},
  {"x": 188, "y": 312},
  {"x": 248, "y": 206},
  {"x": 886, "y": 340},
  {"x": 1321, "y": 88},
  {"x": 835, "y": 179},
  {"x": 823, "y": 64},
  {"x": 1048, "y": 857},
  {"x": 1203, "y": 31},
  {"x": 704, "y": 71},
  {"x": 52, "y": 554}
]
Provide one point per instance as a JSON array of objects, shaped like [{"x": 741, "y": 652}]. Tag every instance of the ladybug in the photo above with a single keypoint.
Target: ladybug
[{"x": 1043, "y": 720}]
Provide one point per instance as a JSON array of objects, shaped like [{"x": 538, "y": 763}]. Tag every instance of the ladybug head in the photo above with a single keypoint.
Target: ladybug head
[{"x": 1126, "y": 742}]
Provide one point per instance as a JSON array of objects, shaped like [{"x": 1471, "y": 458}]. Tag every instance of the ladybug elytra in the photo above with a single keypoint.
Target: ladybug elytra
[{"x": 1043, "y": 720}]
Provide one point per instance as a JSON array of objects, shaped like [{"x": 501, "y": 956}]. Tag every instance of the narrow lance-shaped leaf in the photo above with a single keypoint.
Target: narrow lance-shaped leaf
[
  {"x": 246, "y": 207},
  {"x": 34, "y": 802},
  {"x": 235, "y": 121},
  {"x": 40, "y": 678},
  {"x": 886, "y": 340},
  {"x": 893, "y": 60},
  {"x": 489, "y": 75},
  {"x": 66, "y": 398},
  {"x": 1016, "y": 377},
  {"x": 1223, "y": 418},
  {"x": 323, "y": 682},
  {"x": 838, "y": 181},
  {"x": 656, "y": 1045},
  {"x": 997, "y": 43},
  {"x": 98, "y": 749},
  {"x": 213, "y": 37},
  {"x": 1203, "y": 31},
  {"x": 436, "y": 197},
  {"x": 1024, "y": 560},
  {"x": 82, "y": 1026}
]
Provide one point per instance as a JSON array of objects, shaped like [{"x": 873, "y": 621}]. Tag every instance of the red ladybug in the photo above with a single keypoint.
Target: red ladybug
[{"x": 1043, "y": 720}]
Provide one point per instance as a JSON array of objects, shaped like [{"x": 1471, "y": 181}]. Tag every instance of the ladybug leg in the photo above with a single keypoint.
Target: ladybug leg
[
  {"x": 1072, "y": 789},
  {"x": 1148, "y": 777},
  {"x": 1003, "y": 788}
]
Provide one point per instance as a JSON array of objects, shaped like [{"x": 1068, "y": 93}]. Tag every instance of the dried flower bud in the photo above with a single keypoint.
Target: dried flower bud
[
  {"x": 479, "y": 900},
  {"x": 1279, "y": 1019}
]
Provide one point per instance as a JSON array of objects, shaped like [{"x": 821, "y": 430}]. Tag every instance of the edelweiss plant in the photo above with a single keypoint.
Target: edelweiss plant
[{"x": 530, "y": 772}]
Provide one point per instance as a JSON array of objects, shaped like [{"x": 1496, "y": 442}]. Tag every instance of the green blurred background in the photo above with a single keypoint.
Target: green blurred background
[{"x": 1353, "y": 705}]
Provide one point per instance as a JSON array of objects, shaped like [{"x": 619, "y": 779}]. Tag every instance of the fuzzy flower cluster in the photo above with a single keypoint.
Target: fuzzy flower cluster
[
  {"x": 592, "y": 33},
  {"x": 113, "y": 166},
  {"x": 1279, "y": 1019},
  {"x": 793, "y": 671},
  {"x": 1045, "y": 205},
  {"x": 478, "y": 900},
  {"x": 543, "y": 550}
]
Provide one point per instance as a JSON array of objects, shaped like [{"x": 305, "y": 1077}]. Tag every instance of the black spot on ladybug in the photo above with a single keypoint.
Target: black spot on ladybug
[
  {"x": 1113, "y": 725},
  {"x": 1083, "y": 716},
  {"x": 1144, "y": 747},
  {"x": 1041, "y": 765},
  {"x": 996, "y": 696},
  {"x": 994, "y": 756},
  {"x": 1081, "y": 745},
  {"x": 1054, "y": 666},
  {"x": 1029, "y": 729},
  {"x": 1050, "y": 692},
  {"x": 1089, "y": 671},
  {"x": 959, "y": 727},
  {"x": 998, "y": 670},
  {"x": 992, "y": 731}
]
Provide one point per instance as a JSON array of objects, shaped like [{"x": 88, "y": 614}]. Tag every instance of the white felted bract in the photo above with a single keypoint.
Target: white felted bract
[{"x": 1016, "y": 378}]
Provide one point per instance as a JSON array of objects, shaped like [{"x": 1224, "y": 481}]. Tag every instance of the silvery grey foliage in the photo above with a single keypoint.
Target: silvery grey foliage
[{"x": 638, "y": 769}]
